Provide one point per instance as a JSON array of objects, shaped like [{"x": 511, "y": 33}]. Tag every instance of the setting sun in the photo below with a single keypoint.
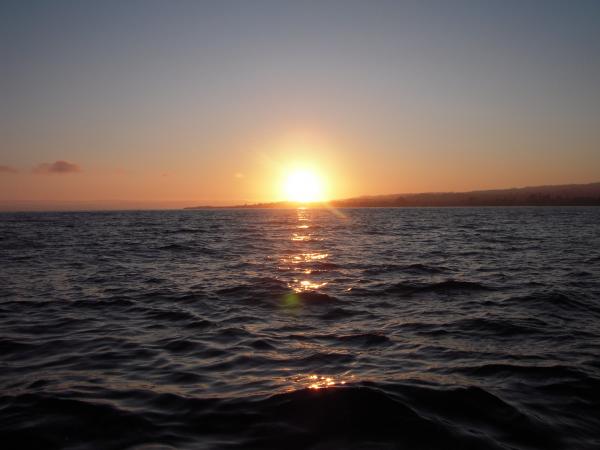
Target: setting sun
[{"x": 303, "y": 185}]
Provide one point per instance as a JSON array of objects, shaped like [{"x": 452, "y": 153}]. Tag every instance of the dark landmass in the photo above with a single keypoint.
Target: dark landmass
[{"x": 563, "y": 195}]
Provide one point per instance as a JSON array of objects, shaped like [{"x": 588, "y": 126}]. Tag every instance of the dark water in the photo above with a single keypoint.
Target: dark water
[{"x": 290, "y": 329}]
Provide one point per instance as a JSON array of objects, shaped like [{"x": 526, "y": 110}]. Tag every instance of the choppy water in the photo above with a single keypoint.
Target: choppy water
[{"x": 365, "y": 328}]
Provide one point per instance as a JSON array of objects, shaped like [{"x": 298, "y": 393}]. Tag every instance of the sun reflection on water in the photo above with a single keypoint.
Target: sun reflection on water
[
  {"x": 305, "y": 262},
  {"x": 314, "y": 381},
  {"x": 303, "y": 258},
  {"x": 300, "y": 237},
  {"x": 306, "y": 285}
]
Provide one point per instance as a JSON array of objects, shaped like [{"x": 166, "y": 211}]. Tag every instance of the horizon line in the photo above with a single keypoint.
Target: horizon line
[{"x": 154, "y": 205}]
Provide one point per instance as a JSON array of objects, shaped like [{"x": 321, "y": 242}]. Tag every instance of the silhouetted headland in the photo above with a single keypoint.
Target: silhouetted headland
[{"x": 560, "y": 195}]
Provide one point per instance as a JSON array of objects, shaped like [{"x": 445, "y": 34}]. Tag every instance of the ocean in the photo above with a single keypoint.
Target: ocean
[{"x": 408, "y": 328}]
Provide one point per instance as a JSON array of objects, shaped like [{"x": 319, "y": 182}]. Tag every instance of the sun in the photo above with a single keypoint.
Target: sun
[{"x": 303, "y": 186}]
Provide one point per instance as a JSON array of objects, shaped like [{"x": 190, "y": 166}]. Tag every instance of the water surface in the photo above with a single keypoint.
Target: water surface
[{"x": 475, "y": 328}]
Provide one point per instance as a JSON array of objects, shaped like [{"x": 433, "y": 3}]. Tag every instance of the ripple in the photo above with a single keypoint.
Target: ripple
[
  {"x": 474, "y": 328},
  {"x": 450, "y": 286}
]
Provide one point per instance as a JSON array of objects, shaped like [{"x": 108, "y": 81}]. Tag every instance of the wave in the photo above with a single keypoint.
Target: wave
[
  {"x": 338, "y": 313},
  {"x": 362, "y": 415},
  {"x": 500, "y": 327},
  {"x": 186, "y": 230},
  {"x": 416, "y": 269},
  {"x": 376, "y": 289},
  {"x": 555, "y": 302},
  {"x": 314, "y": 297},
  {"x": 446, "y": 286},
  {"x": 365, "y": 339},
  {"x": 270, "y": 291},
  {"x": 536, "y": 372}
]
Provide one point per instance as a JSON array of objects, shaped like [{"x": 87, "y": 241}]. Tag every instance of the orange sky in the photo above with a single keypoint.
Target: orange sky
[
  {"x": 254, "y": 171},
  {"x": 224, "y": 99}
]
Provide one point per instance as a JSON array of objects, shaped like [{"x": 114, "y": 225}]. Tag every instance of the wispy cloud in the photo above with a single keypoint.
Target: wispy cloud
[
  {"x": 7, "y": 169},
  {"x": 57, "y": 167}
]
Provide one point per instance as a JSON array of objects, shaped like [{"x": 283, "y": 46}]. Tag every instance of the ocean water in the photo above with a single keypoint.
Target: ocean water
[{"x": 434, "y": 328}]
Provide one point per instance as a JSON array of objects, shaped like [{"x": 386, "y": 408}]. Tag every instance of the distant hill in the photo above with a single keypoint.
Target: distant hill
[
  {"x": 571, "y": 194},
  {"x": 567, "y": 195}
]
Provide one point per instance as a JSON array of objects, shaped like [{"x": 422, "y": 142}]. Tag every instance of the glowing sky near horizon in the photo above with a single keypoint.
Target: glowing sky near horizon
[{"x": 212, "y": 102}]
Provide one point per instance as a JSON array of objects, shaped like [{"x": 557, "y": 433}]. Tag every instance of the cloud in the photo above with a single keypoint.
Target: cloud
[
  {"x": 57, "y": 167},
  {"x": 7, "y": 169}
]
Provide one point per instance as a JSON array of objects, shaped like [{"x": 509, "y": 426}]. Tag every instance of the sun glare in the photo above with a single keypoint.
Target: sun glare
[{"x": 304, "y": 186}]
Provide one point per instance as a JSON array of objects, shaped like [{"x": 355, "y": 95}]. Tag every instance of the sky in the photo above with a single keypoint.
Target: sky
[{"x": 176, "y": 103}]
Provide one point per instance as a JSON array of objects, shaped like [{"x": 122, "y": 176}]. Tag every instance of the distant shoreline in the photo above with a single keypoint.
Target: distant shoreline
[
  {"x": 313, "y": 206},
  {"x": 540, "y": 196},
  {"x": 561, "y": 195},
  {"x": 210, "y": 208}
]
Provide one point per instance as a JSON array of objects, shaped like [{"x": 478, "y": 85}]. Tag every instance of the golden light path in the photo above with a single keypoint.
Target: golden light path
[
  {"x": 313, "y": 381},
  {"x": 300, "y": 265}
]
